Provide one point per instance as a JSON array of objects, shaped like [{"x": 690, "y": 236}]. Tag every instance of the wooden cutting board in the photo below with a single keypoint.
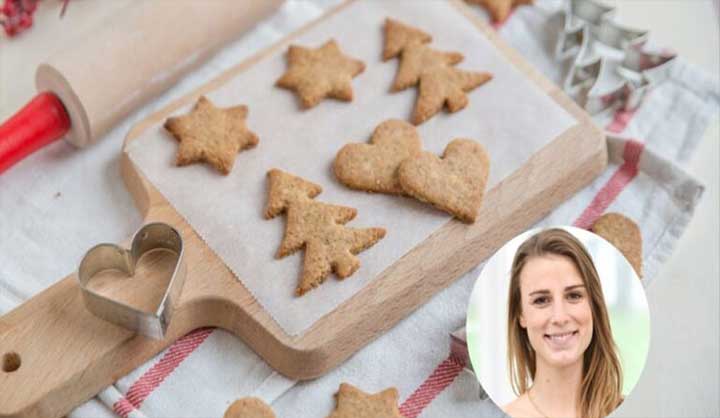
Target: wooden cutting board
[{"x": 62, "y": 355}]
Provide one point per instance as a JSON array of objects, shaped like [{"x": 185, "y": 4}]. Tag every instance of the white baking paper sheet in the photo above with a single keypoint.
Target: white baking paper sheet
[{"x": 509, "y": 115}]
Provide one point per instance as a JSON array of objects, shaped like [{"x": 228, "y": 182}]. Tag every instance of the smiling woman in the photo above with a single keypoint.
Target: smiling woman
[
  {"x": 561, "y": 355},
  {"x": 566, "y": 314}
]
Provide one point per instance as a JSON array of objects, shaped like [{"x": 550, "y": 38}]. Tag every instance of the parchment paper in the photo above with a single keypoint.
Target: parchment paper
[{"x": 509, "y": 115}]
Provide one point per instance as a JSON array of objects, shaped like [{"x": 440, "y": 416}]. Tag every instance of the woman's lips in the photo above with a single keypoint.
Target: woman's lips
[{"x": 561, "y": 340}]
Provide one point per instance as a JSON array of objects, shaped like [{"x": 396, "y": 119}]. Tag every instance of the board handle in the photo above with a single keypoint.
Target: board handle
[{"x": 55, "y": 354}]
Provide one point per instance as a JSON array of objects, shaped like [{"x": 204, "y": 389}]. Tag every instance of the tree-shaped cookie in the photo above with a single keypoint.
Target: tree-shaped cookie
[
  {"x": 418, "y": 60},
  {"x": 318, "y": 227},
  {"x": 399, "y": 35},
  {"x": 434, "y": 72},
  {"x": 445, "y": 86},
  {"x": 318, "y": 73},
  {"x": 211, "y": 134}
]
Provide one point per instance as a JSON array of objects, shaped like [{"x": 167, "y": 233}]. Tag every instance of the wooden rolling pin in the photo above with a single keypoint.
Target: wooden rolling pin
[{"x": 129, "y": 59}]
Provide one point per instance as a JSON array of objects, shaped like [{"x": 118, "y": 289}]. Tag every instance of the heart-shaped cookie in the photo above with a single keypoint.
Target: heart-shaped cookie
[
  {"x": 373, "y": 167},
  {"x": 624, "y": 234},
  {"x": 104, "y": 257},
  {"x": 454, "y": 183}
]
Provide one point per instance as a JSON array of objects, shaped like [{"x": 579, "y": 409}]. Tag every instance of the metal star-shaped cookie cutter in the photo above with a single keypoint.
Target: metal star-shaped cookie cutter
[
  {"x": 604, "y": 52},
  {"x": 103, "y": 257}
]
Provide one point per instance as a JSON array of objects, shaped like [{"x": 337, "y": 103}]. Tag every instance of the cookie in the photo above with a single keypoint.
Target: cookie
[
  {"x": 211, "y": 134},
  {"x": 418, "y": 59},
  {"x": 284, "y": 189},
  {"x": 454, "y": 183},
  {"x": 373, "y": 167},
  {"x": 499, "y": 10},
  {"x": 439, "y": 82},
  {"x": 319, "y": 228},
  {"x": 249, "y": 408},
  {"x": 315, "y": 74},
  {"x": 445, "y": 86},
  {"x": 624, "y": 234},
  {"x": 399, "y": 35},
  {"x": 351, "y": 402}
]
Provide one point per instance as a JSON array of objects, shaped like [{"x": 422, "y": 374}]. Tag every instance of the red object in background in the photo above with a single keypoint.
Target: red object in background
[
  {"x": 44, "y": 119},
  {"x": 18, "y": 15},
  {"x": 39, "y": 123}
]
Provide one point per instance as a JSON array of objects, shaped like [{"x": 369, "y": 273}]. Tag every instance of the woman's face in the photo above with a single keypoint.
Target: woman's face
[{"x": 555, "y": 310}]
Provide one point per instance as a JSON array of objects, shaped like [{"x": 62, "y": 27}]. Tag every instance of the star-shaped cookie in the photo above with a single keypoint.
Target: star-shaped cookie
[
  {"x": 354, "y": 403},
  {"x": 211, "y": 134},
  {"x": 499, "y": 9},
  {"x": 318, "y": 73}
]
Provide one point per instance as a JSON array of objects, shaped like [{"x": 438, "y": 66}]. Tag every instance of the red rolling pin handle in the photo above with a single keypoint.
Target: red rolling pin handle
[{"x": 39, "y": 123}]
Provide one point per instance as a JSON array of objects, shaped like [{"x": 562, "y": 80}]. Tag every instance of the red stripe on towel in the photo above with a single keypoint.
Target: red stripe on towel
[
  {"x": 148, "y": 382},
  {"x": 620, "y": 121},
  {"x": 123, "y": 407},
  {"x": 612, "y": 188},
  {"x": 443, "y": 375}
]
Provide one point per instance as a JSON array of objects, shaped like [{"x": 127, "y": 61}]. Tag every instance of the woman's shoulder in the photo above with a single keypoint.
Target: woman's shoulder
[{"x": 520, "y": 408}]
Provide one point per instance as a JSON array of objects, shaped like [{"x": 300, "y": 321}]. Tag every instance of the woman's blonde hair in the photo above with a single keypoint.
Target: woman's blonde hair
[{"x": 601, "y": 385}]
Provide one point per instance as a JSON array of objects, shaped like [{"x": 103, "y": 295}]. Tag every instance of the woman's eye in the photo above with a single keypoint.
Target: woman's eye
[
  {"x": 541, "y": 300},
  {"x": 575, "y": 296}
]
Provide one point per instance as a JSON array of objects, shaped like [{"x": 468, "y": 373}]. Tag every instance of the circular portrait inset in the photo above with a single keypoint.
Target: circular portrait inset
[{"x": 558, "y": 325}]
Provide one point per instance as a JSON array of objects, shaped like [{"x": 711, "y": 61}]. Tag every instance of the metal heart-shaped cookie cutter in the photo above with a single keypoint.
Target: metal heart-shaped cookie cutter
[{"x": 103, "y": 257}]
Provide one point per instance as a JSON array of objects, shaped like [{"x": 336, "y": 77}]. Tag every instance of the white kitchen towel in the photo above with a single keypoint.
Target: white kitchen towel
[{"x": 59, "y": 190}]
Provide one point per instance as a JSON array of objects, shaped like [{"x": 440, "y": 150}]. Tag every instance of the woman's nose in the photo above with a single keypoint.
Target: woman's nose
[{"x": 560, "y": 313}]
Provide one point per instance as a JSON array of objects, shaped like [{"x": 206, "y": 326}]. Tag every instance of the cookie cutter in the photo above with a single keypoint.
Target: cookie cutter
[
  {"x": 601, "y": 48},
  {"x": 150, "y": 237}
]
